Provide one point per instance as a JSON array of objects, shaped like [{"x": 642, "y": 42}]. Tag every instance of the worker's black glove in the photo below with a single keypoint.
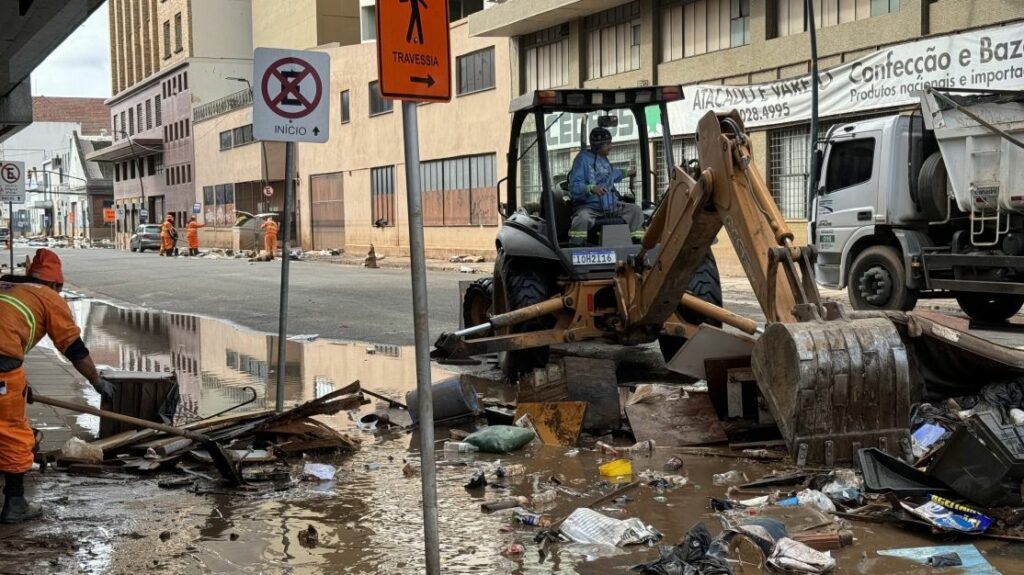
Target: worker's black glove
[{"x": 104, "y": 388}]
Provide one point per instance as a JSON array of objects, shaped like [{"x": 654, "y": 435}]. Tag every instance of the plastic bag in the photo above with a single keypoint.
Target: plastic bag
[
  {"x": 588, "y": 526},
  {"x": 501, "y": 438},
  {"x": 810, "y": 497}
]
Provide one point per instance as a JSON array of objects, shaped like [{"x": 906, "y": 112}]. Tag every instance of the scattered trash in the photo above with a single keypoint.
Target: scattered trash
[
  {"x": 513, "y": 550},
  {"x": 811, "y": 497},
  {"x": 603, "y": 447},
  {"x": 675, "y": 463},
  {"x": 925, "y": 437},
  {"x": 501, "y": 438},
  {"x": 616, "y": 468},
  {"x": 684, "y": 421},
  {"x": 971, "y": 560},
  {"x": 950, "y": 516},
  {"x": 544, "y": 497},
  {"x": 524, "y": 517},
  {"x": 466, "y": 270},
  {"x": 321, "y": 471},
  {"x": 555, "y": 422},
  {"x": 660, "y": 498},
  {"x": 165, "y": 535},
  {"x": 944, "y": 560},
  {"x": 641, "y": 446},
  {"x": 77, "y": 450},
  {"x": 466, "y": 259},
  {"x": 453, "y": 398},
  {"x": 793, "y": 556},
  {"x": 477, "y": 481},
  {"x": 884, "y": 473},
  {"x": 844, "y": 487},
  {"x": 697, "y": 554},
  {"x": 510, "y": 471},
  {"x": 571, "y": 453},
  {"x": 994, "y": 451},
  {"x": 728, "y": 478},
  {"x": 502, "y": 504},
  {"x": 409, "y": 471},
  {"x": 372, "y": 466},
  {"x": 653, "y": 393},
  {"x": 588, "y": 526},
  {"x": 308, "y": 537},
  {"x": 459, "y": 447},
  {"x": 311, "y": 337}
]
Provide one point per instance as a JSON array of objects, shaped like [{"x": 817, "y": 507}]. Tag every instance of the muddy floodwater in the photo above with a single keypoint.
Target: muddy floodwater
[{"x": 368, "y": 519}]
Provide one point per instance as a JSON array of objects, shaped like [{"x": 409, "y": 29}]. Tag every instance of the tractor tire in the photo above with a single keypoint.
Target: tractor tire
[
  {"x": 705, "y": 284},
  {"x": 990, "y": 307},
  {"x": 522, "y": 283},
  {"x": 878, "y": 281},
  {"x": 477, "y": 303}
]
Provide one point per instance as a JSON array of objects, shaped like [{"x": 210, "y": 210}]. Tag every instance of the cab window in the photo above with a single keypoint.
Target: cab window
[{"x": 849, "y": 163}]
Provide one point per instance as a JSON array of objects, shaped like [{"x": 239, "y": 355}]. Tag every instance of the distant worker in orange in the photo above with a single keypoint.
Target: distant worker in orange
[
  {"x": 192, "y": 234},
  {"x": 167, "y": 236},
  {"x": 269, "y": 228},
  {"x": 30, "y": 309}
]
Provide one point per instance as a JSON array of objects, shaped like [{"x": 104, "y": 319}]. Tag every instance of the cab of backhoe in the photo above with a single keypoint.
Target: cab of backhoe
[{"x": 550, "y": 128}]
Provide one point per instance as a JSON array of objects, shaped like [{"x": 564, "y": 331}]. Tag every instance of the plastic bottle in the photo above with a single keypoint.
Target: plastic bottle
[
  {"x": 673, "y": 464},
  {"x": 728, "y": 477},
  {"x": 507, "y": 503},
  {"x": 510, "y": 470},
  {"x": 605, "y": 448},
  {"x": 641, "y": 446},
  {"x": 459, "y": 447},
  {"x": 544, "y": 497}
]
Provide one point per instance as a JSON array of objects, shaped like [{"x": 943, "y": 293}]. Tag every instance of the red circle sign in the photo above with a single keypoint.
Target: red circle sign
[
  {"x": 290, "y": 93},
  {"x": 268, "y": 191},
  {"x": 10, "y": 173}
]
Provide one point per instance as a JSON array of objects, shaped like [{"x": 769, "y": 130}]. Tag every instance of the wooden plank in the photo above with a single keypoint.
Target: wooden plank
[
  {"x": 683, "y": 422},
  {"x": 557, "y": 422}
]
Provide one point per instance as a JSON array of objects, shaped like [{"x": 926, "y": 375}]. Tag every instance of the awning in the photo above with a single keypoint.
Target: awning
[
  {"x": 130, "y": 148},
  {"x": 517, "y": 18}
]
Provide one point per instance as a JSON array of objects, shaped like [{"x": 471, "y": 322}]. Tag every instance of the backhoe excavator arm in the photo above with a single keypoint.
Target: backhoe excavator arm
[{"x": 732, "y": 193}]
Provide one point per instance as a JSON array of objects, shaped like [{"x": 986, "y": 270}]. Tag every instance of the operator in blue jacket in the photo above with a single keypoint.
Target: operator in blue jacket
[{"x": 592, "y": 186}]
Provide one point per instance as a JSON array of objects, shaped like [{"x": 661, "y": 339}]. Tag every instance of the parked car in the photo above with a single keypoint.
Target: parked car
[
  {"x": 146, "y": 237},
  {"x": 5, "y": 236}
]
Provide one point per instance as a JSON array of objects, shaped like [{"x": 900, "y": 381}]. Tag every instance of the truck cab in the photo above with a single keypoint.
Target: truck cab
[{"x": 911, "y": 205}]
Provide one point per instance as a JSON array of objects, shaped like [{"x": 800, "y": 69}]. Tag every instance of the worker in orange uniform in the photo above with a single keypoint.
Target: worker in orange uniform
[
  {"x": 192, "y": 234},
  {"x": 167, "y": 236},
  {"x": 269, "y": 228},
  {"x": 31, "y": 308}
]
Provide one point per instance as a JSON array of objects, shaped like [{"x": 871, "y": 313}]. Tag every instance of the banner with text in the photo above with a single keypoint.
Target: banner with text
[{"x": 992, "y": 58}]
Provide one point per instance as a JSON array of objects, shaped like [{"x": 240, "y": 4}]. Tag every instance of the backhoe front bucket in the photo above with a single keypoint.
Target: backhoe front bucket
[{"x": 837, "y": 386}]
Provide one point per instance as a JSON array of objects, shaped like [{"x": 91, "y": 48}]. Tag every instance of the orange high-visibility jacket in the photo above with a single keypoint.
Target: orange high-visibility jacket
[
  {"x": 270, "y": 228},
  {"x": 29, "y": 311},
  {"x": 192, "y": 233}
]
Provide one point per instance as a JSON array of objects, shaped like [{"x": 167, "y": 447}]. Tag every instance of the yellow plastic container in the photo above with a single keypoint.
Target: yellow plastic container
[{"x": 617, "y": 467}]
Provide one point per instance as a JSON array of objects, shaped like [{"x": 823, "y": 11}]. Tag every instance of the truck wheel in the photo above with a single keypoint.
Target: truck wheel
[
  {"x": 705, "y": 284},
  {"x": 523, "y": 283},
  {"x": 990, "y": 307},
  {"x": 931, "y": 196},
  {"x": 878, "y": 281},
  {"x": 477, "y": 302}
]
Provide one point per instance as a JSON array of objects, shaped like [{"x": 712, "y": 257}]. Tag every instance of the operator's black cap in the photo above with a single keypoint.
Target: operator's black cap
[{"x": 598, "y": 137}]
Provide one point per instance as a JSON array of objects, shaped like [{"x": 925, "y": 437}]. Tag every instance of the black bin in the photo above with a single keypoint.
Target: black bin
[{"x": 984, "y": 461}]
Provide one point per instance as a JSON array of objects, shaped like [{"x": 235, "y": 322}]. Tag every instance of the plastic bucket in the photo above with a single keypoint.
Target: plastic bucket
[
  {"x": 616, "y": 468},
  {"x": 452, "y": 397}
]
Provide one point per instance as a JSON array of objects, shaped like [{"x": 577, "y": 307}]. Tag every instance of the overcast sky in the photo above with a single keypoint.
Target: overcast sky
[{"x": 81, "y": 65}]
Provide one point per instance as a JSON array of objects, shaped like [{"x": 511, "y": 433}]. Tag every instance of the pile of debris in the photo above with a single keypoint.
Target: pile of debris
[{"x": 257, "y": 444}]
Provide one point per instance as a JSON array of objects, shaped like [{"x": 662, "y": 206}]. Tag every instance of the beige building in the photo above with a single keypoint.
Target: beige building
[
  {"x": 350, "y": 192},
  {"x": 167, "y": 56},
  {"x": 616, "y": 43}
]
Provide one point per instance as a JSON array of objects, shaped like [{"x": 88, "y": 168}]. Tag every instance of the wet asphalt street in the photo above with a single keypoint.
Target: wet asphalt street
[{"x": 335, "y": 301}]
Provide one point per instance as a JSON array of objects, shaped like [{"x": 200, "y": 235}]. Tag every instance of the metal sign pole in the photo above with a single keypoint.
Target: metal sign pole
[
  {"x": 812, "y": 184},
  {"x": 431, "y": 542},
  {"x": 10, "y": 224},
  {"x": 286, "y": 229}
]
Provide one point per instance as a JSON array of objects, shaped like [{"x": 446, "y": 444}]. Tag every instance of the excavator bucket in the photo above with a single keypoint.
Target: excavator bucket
[{"x": 837, "y": 386}]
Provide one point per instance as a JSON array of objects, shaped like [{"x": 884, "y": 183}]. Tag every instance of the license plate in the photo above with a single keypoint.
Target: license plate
[{"x": 593, "y": 257}]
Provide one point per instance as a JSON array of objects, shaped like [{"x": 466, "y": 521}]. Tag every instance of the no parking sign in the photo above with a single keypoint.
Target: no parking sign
[{"x": 290, "y": 100}]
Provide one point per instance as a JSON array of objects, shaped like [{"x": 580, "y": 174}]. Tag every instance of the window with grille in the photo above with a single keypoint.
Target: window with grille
[
  {"x": 382, "y": 196},
  {"x": 459, "y": 191},
  {"x": 546, "y": 58},
  {"x": 241, "y": 136},
  {"x": 789, "y": 169},
  {"x": 167, "y": 39},
  {"x": 131, "y": 121},
  {"x": 694, "y": 28},
  {"x": 791, "y": 15},
  {"x": 378, "y": 104},
  {"x": 345, "y": 118},
  {"x": 475, "y": 71},
  {"x": 156, "y": 108},
  {"x": 177, "y": 33},
  {"x": 613, "y": 41},
  {"x": 225, "y": 140},
  {"x": 149, "y": 114}
]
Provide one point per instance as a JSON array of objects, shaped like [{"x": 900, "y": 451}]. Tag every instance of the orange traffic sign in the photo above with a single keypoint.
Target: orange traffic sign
[
  {"x": 109, "y": 215},
  {"x": 413, "y": 50}
]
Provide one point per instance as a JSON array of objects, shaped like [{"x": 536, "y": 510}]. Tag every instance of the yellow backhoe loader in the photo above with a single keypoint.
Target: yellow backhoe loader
[{"x": 836, "y": 382}]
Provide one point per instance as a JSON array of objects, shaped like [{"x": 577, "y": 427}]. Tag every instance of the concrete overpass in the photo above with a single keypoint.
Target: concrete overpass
[{"x": 29, "y": 31}]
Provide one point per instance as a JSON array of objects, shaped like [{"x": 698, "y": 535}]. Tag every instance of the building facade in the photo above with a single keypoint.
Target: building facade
[
  {"x": 733, "y": 43},
  {"x": 47, "y": 146},
  {"x": 167, "y": 56}
]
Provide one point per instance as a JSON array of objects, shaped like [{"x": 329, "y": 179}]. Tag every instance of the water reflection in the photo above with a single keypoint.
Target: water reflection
[{"x": 215, "y": 360}]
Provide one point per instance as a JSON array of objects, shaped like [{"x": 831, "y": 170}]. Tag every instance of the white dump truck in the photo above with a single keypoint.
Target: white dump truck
[{"x": 927, "y": 203}]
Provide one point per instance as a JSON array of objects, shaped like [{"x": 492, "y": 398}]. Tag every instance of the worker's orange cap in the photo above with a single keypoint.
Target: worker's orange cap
[{"x": 46, "y": 266}]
